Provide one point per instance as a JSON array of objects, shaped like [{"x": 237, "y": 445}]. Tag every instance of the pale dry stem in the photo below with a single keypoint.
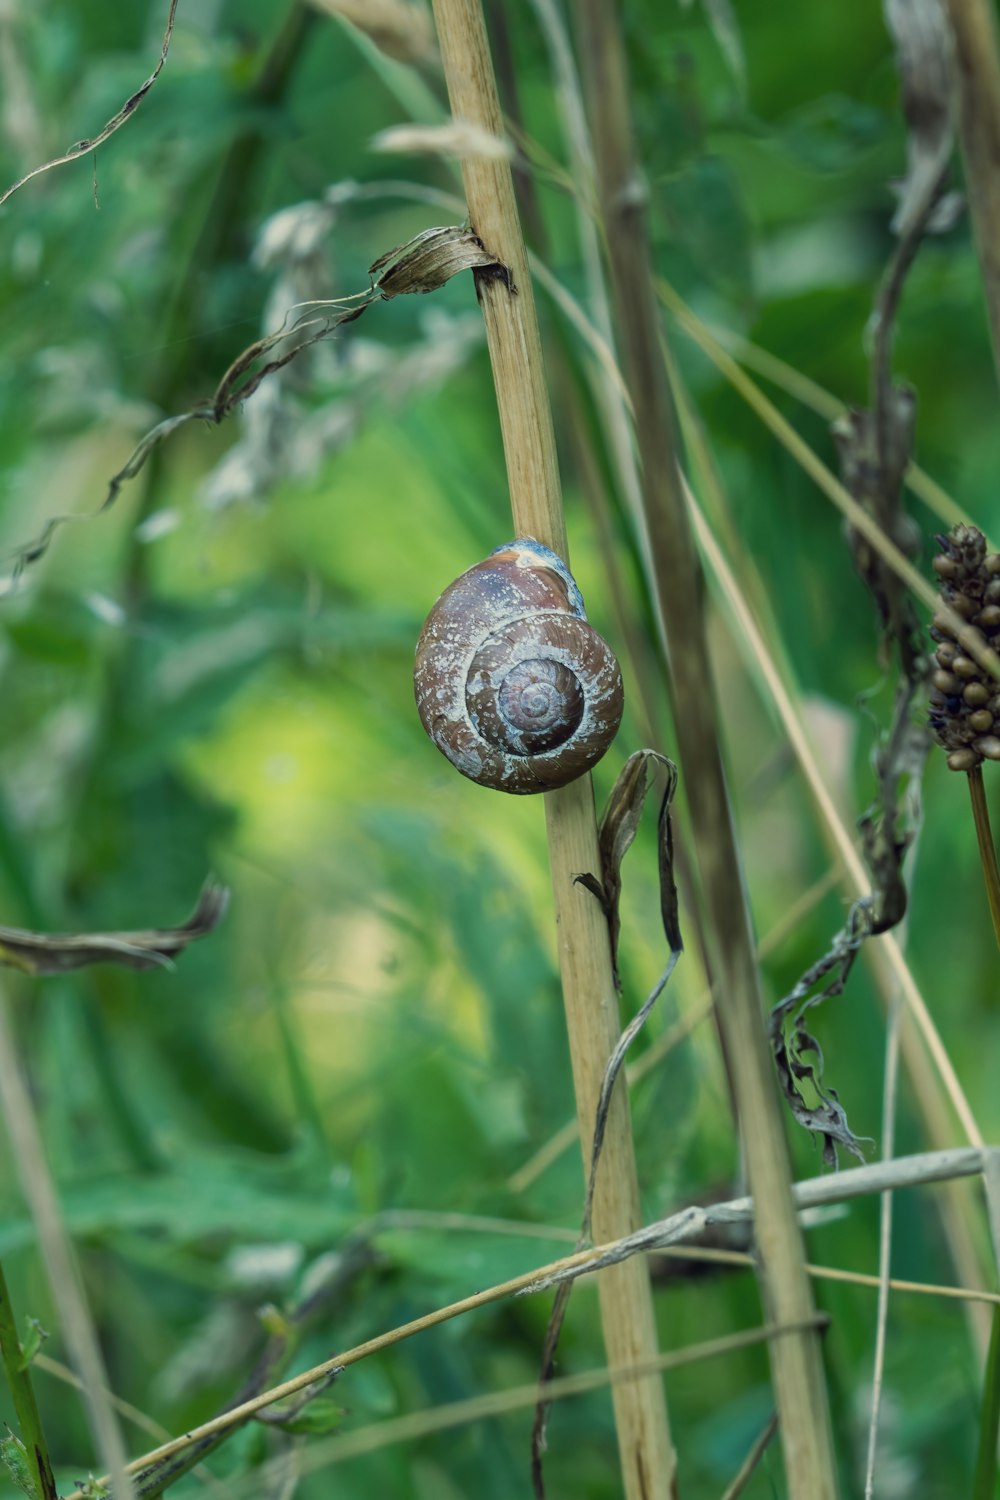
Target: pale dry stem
[
  {"x": 662, "y": 1236},
  {"x": 974, "y": 28},
  {"x": 796, "y": 1363},
  {"x": 584, "y": 952}
]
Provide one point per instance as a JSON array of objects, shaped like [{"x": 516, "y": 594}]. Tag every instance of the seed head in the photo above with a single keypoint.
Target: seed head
[{"x": 965, "y": 699}]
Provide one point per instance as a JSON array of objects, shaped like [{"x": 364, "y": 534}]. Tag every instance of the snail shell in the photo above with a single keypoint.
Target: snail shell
[{"x": 512, "y": 684}]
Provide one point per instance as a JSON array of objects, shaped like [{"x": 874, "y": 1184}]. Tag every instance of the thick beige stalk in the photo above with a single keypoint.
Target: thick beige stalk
[
  {"x": 584, "y": 953},
  {"x": 795, "y": 1360},
  {"x": 974, "y": 27}
]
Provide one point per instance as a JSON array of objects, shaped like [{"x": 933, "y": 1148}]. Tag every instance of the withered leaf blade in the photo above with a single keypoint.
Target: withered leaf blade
[
  {"x": 429, "y": 260},
  {"x": 617, "y": 834},
  {"x": 827, "y": 1117},
  {"x": 128, "y": 109},
  {"x": 459, "y": 139},
  {"x": 593, "y": 885},
  {"x": 874, "y": 455},
  {"x": 798, "y": 1057},
  {"x": 40, "y": 953},
  {"x": 922, "y": 41},
  {"x": 669, "y": 905},
  {"x": 421, "y": 265}
]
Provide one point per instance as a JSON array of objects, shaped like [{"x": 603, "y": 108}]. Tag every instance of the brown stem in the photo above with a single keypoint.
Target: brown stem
[
  {"x": 974, "y": 28},
  {"x": 584, "y": 951},
  {"x": 797, "y": 1365},
  {"x": 987, "y": 848}
]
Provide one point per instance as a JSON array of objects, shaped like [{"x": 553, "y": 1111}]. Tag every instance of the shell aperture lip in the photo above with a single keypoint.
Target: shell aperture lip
[{"x": 531, "y": 554}]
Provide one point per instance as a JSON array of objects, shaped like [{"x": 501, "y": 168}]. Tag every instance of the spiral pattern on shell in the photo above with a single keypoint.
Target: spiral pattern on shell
[{"x": 512, "y": 684}]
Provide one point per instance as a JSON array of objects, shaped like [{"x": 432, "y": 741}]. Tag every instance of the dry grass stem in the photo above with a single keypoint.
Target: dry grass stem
[
  {"x": 918, "y": 1030},
  {"x": 814, "y": 1192},
  {"x": 987, "y": 848},
  {"x": 749, "y": 633},
  {"x": 821, "y": 401},
  {"x": 77, "y": 1325},
  {"x": 554, "y": 1147},
  {"x": 519, "y": 1229},
  {"x": 885, "y": 1241},
  {"x": 507, "y": 303},
  {"x": 828, "y": 482},
  {"x": 753, "y": 1458},
  {"x": 415, "y": 1425},
  {"x": 741, "y": 1259},
  {"x": 796, "y": 1362},
  {"x": 682, "y": 1028},
  {"x": 974, "y": 29},
  {"x": 665, "y": 1234},
  {"x": 610, "y": 393}
]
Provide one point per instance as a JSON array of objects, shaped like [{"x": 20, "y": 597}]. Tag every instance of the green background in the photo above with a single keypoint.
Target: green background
[{"x": 377, "y": 1024}]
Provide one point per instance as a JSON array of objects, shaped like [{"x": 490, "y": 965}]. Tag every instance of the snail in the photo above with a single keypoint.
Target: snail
[{"x": 512, "y": 684}]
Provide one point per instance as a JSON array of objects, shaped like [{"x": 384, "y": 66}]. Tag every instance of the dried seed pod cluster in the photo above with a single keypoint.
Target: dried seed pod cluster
[
  {"x": 512, "y": 684},
  {"x": 965, "y": 699}
]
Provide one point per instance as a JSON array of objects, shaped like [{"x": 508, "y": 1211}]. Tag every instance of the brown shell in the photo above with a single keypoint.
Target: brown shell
[{"x": 512, "y": 684}]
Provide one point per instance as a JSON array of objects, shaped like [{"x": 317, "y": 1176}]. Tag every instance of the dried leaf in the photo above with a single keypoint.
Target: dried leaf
[
  {"x": 429, "y": 260},
  {"x": 421, "y": 265},
  {"x": 875, "y": 449},
  {"x": 922, "y": 39},
  {"x": 798, "y": 1055},
  {"x": 619, "y": 825},
  {"x": 128, "y": 109},
  {"x": 669, "y": 907},
  {"x": 55, "y": 953},
  {"x": 321, "y": 1416},
  {"x": 460, "y": 140}
]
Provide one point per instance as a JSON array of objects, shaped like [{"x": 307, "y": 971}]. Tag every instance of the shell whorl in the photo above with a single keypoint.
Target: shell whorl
[{"x": 512, "y": 684}]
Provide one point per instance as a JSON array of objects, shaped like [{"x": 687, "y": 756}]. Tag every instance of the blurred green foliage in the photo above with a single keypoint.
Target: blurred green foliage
[{"x": 215, "y": 674}]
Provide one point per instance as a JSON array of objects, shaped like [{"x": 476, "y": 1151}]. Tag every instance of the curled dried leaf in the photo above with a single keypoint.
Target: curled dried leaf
[
  {"x": 619, "y": 825},
  {"x": 798, "y": 1055},
  {"x": 429, "y": 260},
  {"x": 421, "y": 265},
  {"x": 41, "y": 953}
]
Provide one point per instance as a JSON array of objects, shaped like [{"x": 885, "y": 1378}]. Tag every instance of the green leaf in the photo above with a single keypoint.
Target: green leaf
[
  {"x": 32, "y": 1342},
  {"x": 94, "y": 1489},
  {"x": 243, "y": 1196},
  {"x": 320, "y": 1416},
  {"x": 15, "y": 1461},
  {"x": 462, "y": 1260},
  {"x": 274, "y": 1321}
]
